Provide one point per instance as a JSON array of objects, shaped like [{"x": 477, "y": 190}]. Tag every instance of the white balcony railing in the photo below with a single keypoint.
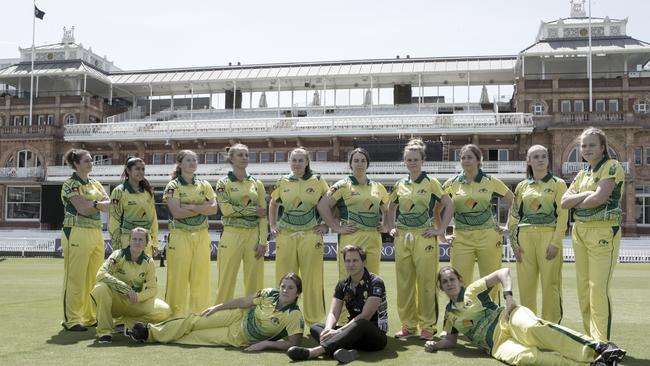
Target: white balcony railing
[
  {"x": 385, "y": 172},
  {"x": 486, "y": 123},
  {"x": 22, "y": 173},
  {"x": 575, "y": 167}
]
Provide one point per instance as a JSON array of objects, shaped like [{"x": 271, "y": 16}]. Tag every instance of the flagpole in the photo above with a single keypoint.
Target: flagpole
[
  {"x": 31, "y": 83},
  {"x": 589, "y": 68}
]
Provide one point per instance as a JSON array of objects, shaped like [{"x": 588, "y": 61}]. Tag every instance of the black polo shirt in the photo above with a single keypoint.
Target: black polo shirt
[{"x": 370, "y": 285}]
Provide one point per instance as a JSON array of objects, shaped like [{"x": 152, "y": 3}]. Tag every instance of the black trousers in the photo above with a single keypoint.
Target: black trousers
[{"x": 360, "y": 334}]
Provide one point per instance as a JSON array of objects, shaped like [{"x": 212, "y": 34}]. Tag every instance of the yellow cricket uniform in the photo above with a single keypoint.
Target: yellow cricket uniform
[
  {"x": 416, "y": 257},
  {"x": 188, "y": 250},
  {"x": 132, "y": 208},
  {"x": 298, "y": 247},
  {"x": 83, "y": 250},
  {"x": 596, "y": 238},
  {"x": 233, "y": 327},
  {"x": 537, "y": 220},
  {"x": 115, "y": 279},
  {"x": 519, "y": 340},
  {"x": 243, "y": 230},
  {"x": 360, "y": 204},
  {"x": 476, "y": 236}
]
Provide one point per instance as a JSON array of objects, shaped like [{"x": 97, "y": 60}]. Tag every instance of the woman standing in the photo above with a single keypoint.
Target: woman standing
[
  {"x": 299, "y": 234},
  {"x": 477, "y": 235},
  {"x": 362, "y": 204},
  {"x": 133, "y": 205},
  {"x": 537, "y": 225},
  {"x": 190, "y": 202},
  {"x": 595, "y": 195},
  {"x": 242, "y": 200},
  {"x": 416, "y": 243},
  {"x": 82, "y": 242}
]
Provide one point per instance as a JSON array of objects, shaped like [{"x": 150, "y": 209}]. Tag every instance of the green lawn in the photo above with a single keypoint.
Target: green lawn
[{"x": 30, "y": 313}]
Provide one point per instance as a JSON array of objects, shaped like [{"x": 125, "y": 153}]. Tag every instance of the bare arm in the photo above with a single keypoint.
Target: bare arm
[
  {"x": 282, "y": 345},
  {"x": 207, "y": 208},
  {"x": 390, "y": 218},
  {"x": 177, "y": 210},
  {"x": 600, "y": 196},
  {"x": 571, "y": 199},
  {"x": 239, "y": 303},
  {"x": 502, "y": 276},
  {"x": 274, "y": 208},
  {"x": 85, "y": 207}
]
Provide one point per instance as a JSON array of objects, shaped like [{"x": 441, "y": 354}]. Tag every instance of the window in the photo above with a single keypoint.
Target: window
[
  {"x": 170, "y": 158},
  {"x": 642, "y": 107},
  {"x": 537, "y": 109},
  {"x": 565, "y": 106},
  {"x": 498, "y": 155},
  {"x": 638, "y": 155},
  {"x": 503, "y": 155},
  {"x": 457, "y": 155},
  {"x": 613, "y": 105},
  {"x": 102, "y": 159},
  {"x": 265, "y": 156},
  {"x": 157, "y": 159},
  {"x": 280, "y": 156},
  {"x": 25, "y": 120},
  {"x": 222, "y": 158},
  {"x": 50, "y": 119},
  {"x": 642, "y": 205},
  {"x": 41, "y": 120},
  {"x": 647, "y": 156},
  {"x": 252, "y": 156},
  {"x": 210, "y": 158},
  {"x": 70, "y": 119},
  {"x": 600, "y": 106},
  {"x": 23, "y": 203},
  {"x": 17, "y": 120},
  {"x": 321, "y": 156},
  {"x": 27, "y": 159},
  {"x": 579, "y": 106}
]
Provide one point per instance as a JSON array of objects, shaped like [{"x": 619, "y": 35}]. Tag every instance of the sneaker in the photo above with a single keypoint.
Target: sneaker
[
  {"x": 425, "y": 335},
  {"x": 404, "y": 333},
  {"x": 298, "y": 353},
  {"x": 610, "y": 353},
  {"x": 120, "y": 328},
  {"x": 105, "y": 339},
  {"x": 76, "y": 328},
  {"x": 343, "y": 355},
  {"x": 139, "y": 333}
]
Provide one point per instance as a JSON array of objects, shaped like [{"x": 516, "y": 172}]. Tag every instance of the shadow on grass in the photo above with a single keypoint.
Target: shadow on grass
[
  {"x": 65, "y": 337},
  {"x": 631, "y": 361}
]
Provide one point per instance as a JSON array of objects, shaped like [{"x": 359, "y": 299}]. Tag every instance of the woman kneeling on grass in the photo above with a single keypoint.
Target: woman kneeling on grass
[
  {"x": 257, "y": 322},
  {"x": 512, "y": 334}
]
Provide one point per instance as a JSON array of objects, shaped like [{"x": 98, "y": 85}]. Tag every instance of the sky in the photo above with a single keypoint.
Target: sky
[{"x": 145, "y": 34}]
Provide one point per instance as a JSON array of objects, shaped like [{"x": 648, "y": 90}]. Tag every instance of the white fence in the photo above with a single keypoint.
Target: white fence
[{"x": 23, "y": 246}]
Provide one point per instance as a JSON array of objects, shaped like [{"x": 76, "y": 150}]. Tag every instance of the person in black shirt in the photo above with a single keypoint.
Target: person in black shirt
[{"x": 364, "y": 296}]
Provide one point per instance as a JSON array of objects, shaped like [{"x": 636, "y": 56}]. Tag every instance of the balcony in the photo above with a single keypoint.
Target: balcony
[
  {"x": 570, "y": 168},
  {"x": 269, "y": 173},
  {"x": 30, "y": 131},
  {"x": 369, "y": 125},
  {"x": 10, "y": 174},
  {"x": 591, "y": 117}
]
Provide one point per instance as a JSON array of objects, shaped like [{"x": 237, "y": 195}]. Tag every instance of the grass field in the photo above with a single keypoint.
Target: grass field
[{"x": 31, "y": 310}]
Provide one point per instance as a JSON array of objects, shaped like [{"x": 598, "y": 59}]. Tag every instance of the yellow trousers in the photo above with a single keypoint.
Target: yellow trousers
[
  {"x": 596, "y": 246},
  {"x": 302, "y": 252},
  {"x": 111, "y": 304},
  {"x": 521, "y": 340},
  {"x": 369, "y": 241},
  {"x": 237, "y": 245},
  {"x": 83, "y": 254},
  {"x": 148, "y": 250},
  {"x": 483, "y": 246},
  {"x": 535, "y": 268},
  {"x": 416, "y": 268},
  {"x": 188, "y": 271},
  {"x": 222, "y": 328}
]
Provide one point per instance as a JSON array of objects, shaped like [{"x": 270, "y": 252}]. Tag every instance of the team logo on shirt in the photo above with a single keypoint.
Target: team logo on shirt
[
  {"x": 353, "y": 193},
  {"x": 422, "y": 191},
  {"x": 549, "y": 190},
  {"x": 407, "y": 204},
  {"x": 368, "y": 204},
  {"x": 468, "y": 303},
  {"x": 428, "y": 248},
  {"x": 612, "y": 169},
  {"x": 169, "y": 191},
  {"x": 535, "y": 204},
  {"x": 470, "y": 203},
  {"x": 131, "y": 203},
  {"x": 468, "y": 323},
  {"x": 297, "y": 202},
  {"x": 310, "y": 190},
  {"x": 482, "y": 190},
  {"x": 220, "y": 189},
  {"x": 318, "y": 245},
  {"x": 275, "y": 321},
  {"x": 234, "y": 189},
  {"x": 377, "y": 291},
  {"x": 333, "y": 189},
  {"x": 142, "y": 213},
  {"x": 245, "y": 200},
  {"x": 603, "y": 242}
]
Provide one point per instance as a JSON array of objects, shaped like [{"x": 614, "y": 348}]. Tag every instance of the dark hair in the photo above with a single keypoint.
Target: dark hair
[
  {"x": 447, "y": 269},
  {"x": 529, "y": 169},
  {"x": 130, "y": 162},
  {"x": 73, "y": 156},
  {"x": 179, "y": 159},
  {"x": 296, "y": 280},
  {"x": 230, "y": 150},
  {"x": 475, "y": 150},
  {"x": 354, "y": 248},
  {"x": 361, "y": 151},
  {"x": 140, "y": 230},
  {"x": 601, "y": 136},
  {"x": 302, "y": 150},
  {"x": 416, "y": 144}
]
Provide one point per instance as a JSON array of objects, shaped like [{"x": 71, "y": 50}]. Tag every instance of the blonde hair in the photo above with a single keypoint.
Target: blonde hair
[
  {"x": 302, "y": 150},
  {"x": 601, "y": 136},
  {"x": 179, "y": 159},
  {"x": 140, "y": 230},
  {"x": 416, "y": 144},
  {"x": 474, "y": 150},
  {"x": 230, "y": 150},
  {"x": 529, "y": 169}
]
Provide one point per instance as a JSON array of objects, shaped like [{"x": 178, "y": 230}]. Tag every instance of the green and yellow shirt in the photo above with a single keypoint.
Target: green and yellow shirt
[
  {"x": 193, "y": 193},
  {"x": 91, "y": 190},
  {"x": 416, "y": 199},
  {"x": 238, "y": 201},
  {"x": 587, "y": 180},
  {"x": 473, "y": 200},
  {"x": 473, "y": 314},
  {"x": 359, "y": 203},
  {"x": 131, "y": 208},
  {"x": 299, "y": 197},
  {"x": 537, "y": 203},
  {"x": 122, "y": 274},
  {"x": 265, "y": 321}
]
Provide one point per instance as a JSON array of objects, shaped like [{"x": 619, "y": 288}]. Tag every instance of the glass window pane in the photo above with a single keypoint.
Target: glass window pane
[
  {"x": 578, "y": 106},
  {"x": 638, "y": 155},
  {"x": 15, "y": 194},
  {"x": 638, "y": 203},
  {"x": 613, "y": 105},
  {"x": 565, "y": 107},
  {"x": 24, "y": 211},
  {"x": 252, "y": 156},
  {"x": 33, "y": 194},
  {"x": 265, "y": 157},
  {"x": 170, "y": 158},
  {"x": 280, "y": 156},
  {"x": 321, "y": 156},
  {"x": 503, "y": 155}
]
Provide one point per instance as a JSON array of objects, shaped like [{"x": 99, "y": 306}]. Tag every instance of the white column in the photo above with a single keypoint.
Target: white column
[
  {"x": 191, "y": 101},
  {"x": 234, "y": 97},
  {"x": 150, "y": 101},
  {"x": 36, "y": 94}
]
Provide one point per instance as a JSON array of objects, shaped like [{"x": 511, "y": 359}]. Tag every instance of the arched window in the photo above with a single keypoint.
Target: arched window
[
  {"x": 23, "y": 159},
  {"x": 642, "y": 106},
  {"x": 70, "y": 119},
  {"x": 574, "y": 155},
  {"x": 538, "y": 108}
]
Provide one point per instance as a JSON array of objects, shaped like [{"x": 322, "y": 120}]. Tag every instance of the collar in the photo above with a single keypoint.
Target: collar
[
  {"x": 478, "y": 178},
  {"x": 546, "y": 178},
  {"x": 184, "y": 182},
  {"x": 233, "y": 177},
  {"x": 75, "y": 176},
  {"x": 600, "y": 163},
  {"x": 129, "y": 188},
  {"x": 461, "y": 295},
  {"x": 305, "y": 176},
  {"x": 126, "y": 252},
  {"x": 419, "y": 179},
  {"x": 364, "y": 279},
  {"x": 356, "y": 182}
]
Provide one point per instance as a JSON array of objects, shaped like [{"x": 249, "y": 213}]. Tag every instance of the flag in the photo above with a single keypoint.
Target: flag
[{"x": 38, "y": 13}]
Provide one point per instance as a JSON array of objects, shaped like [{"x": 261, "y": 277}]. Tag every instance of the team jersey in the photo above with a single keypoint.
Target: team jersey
[
  {"x": 122, "y": 274},
  {"x": 587, "y": 180},
  {"x": 265, "y": 321},
  {"x": 130, "y": 209},
  {"x": 91, "y": 190},
  {"x": 416, "y": 199},
  {"x": 537, "y": 203},
  {"x": 474, "y": 314},
  {"x": 473, "y": 200},
  {"x": 299, "y": 197},
  {"x": 359, "y": 203},
  {"x": 238, "y": 200},
  {"x": 194, "y": 193},
  {"x": 354, "y": 299}
]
